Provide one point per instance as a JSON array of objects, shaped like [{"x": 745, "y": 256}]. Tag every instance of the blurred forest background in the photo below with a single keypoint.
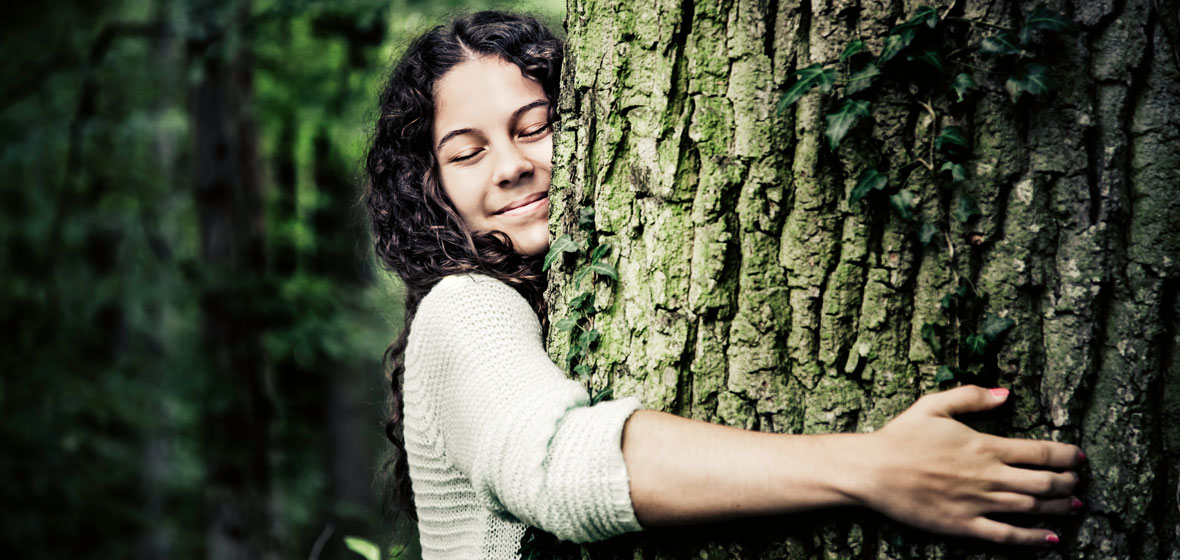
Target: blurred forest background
[{"x": 192, "y": 317}]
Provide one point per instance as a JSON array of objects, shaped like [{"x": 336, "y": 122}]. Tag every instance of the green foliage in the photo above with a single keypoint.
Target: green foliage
[
  {"x": 810, "y": 77},
  {"x": 366, "y": 549},
  {"x": 560, "y": 246},
  {"x": 845, "y": 117},
  {"x": 939, "y": 74},
  {"x": 870, "y": 180}
]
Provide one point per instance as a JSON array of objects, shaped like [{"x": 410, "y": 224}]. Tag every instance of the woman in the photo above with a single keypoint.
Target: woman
[{"x": 497, "y": 439}]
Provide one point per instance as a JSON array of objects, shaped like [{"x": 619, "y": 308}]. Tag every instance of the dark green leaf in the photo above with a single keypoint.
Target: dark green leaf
[
  {"x": 603, "y": 269},
  {"x": 853, "y": 47},
  {"x": 894, "y": 44},
  {"x": 951, "y": 140},
  {"x": 931, "y": 58},
  {"x": 976, "y": 344},
  {"x": 812, "y": 76},
  {"x": 601, "y": 395},
  {"x": 1030, "y": 78},
  {"x": 999, "y": 44},
  {"x": 598, "y": 252},
  {"x": 586, "y": 219},
  {"x": 925, "y": 15},
  {"x": 862, "y": 79},
  {"x": 841, "y": 121},
  {"x": 1043, "y": 18},
  {"x": 587, "y": 338},
  {"x": 870, "y": 180},
  {"x": 944, "y": 374},
  {"x": 563, "y": 244},
  {"x": 582, "y": 370},
  {"x": 926, "y": 233},
  {"x": 568, "y": 323},
  {"x": 930, "y": 335},
  {"x": 903, "y": 203},
  {"x": 994, "y": 325},
  {"x": 966, "y": 209},
  {"x": 948, "y": 299},
  {"x": 964, "y": 83},
  {"x": 957, "y": 171},
  {"x": 584, "y": 302}
]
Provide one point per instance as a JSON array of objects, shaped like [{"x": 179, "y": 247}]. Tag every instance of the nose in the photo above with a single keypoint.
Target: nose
[{"x": 511, "y": 166}]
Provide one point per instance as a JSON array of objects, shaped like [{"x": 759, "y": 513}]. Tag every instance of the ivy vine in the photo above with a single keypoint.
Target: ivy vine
[{"x": 920, "y": 56}]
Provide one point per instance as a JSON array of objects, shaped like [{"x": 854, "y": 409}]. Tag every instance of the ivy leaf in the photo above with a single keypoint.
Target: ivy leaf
[
  {"x": 944, "y": 374},
  {"x": 999, "y": 44},
  {"x": 581, "y": 275},
  {"x": 812, "y": 76},
  {"x": 840, "y": 122},
  {"x": 603, "y": 269},
  {"x": 563, "y": 244},
  {"x": 598, "y": 252},
  {"x": 584, "y": 302},
  {"x": 931, "y": 58},
  {"x": 582, "y": 370},
  {"x": 926, "y": 233},
  {"x": 853, "y": 47},
  {"x": 951, "y": 140},
  {"x": 363, "y": 547},
  {"x": 976, "y": 344},
  {"x": 903, "y": 202},
  {"x": 568, "y": 323},
  {"x": 597, "y": 398},
  {"x": 895, "y": 43},
  {"x": 957, "y": 171},
  {"x": 966, "y": 209},
  {"x": 870, "y": 180},
  {"x": 1031, "y": 78},
  {"x": 994, "y": 325},
  {"x": 963, "y": 83},
  {"x": 586, "y": 219},
  {"x": 587, "y": 338},
  {"x": 1043, "y": 18},
  {"x": 926, "y": 14},
  {"x": 862, "y": 79},
  {"x": 930, "y": 335}
]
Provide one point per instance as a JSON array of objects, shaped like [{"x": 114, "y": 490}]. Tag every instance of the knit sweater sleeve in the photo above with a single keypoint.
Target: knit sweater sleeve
[{"x": 512, "y": 422}]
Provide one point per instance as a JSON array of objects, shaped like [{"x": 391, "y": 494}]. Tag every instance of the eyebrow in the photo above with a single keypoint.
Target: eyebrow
[{"x": 515, "y": 115}]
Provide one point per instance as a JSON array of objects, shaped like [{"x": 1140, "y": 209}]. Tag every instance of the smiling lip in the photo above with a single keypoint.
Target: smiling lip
[{"x": 520, "y": 204}]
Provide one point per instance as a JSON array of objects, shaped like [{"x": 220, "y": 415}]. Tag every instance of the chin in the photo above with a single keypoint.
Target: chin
[{"x": 533, "y": 243}]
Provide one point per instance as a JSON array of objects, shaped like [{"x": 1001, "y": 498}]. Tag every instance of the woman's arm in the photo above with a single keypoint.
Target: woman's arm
[{"x": 923, "y": 468}]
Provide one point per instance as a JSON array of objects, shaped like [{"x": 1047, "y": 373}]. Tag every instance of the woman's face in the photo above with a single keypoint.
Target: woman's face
[{"x": 494, "y": 149}]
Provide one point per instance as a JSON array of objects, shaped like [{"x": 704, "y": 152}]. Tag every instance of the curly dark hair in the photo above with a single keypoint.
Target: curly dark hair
[{"x": 417, "y": 232}]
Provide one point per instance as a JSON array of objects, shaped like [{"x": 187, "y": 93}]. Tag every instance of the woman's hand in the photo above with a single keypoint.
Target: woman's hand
[{"x": 928, "y": 470}]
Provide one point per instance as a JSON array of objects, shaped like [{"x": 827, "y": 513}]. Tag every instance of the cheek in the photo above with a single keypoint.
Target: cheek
[{"x": 461, "y": 188}]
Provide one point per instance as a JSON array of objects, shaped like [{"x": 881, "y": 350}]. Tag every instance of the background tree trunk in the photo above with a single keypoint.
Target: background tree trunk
[{"x": 751, "y": 294}]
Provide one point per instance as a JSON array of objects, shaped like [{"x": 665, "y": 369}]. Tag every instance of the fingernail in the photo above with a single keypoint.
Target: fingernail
[
  {"x": 999, "y": 392},
  {"x": 1076, "y": 504},
  {"x": 1052, "y": 539},
  {"x": 1082, "y": 455}
]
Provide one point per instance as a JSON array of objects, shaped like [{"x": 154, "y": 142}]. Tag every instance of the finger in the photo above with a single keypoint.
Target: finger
[
  {"x": 1037, "y": 483},
  {"x": 1003, "y": 533},
  {"x": 961, "y": 400},
  {"x": 1011, "y": 502},
  {"x": 1038, "y": 453}
]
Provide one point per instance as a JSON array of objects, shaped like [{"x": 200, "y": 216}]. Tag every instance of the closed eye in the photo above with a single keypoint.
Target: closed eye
[{"x": 536, "y": 132}]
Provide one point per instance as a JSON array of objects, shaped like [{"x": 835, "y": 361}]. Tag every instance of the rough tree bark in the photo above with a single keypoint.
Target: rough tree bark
[
  {"x": 751, "y": 294},
  {"x": 236, "y": 426}
]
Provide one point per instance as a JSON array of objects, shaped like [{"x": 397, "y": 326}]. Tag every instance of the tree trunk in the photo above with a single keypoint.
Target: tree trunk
[
  {"x": 236, "y": 423},
  {"x": 751, "y": 293}
]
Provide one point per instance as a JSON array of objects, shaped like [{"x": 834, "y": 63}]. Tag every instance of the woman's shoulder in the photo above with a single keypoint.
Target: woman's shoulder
[{"x": 460, "y": 296}]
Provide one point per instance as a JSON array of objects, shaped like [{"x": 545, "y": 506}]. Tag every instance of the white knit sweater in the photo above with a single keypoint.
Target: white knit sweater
[{"x": 498, "y": 438}]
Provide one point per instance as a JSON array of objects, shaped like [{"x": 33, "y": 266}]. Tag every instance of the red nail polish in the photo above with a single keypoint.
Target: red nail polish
[
  {"x": 1052, "y": 539},
  {"x": 1076, "y": 504},
  {"x": 999, "y": 392},
  {"x": 1082, "y": 455}
]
